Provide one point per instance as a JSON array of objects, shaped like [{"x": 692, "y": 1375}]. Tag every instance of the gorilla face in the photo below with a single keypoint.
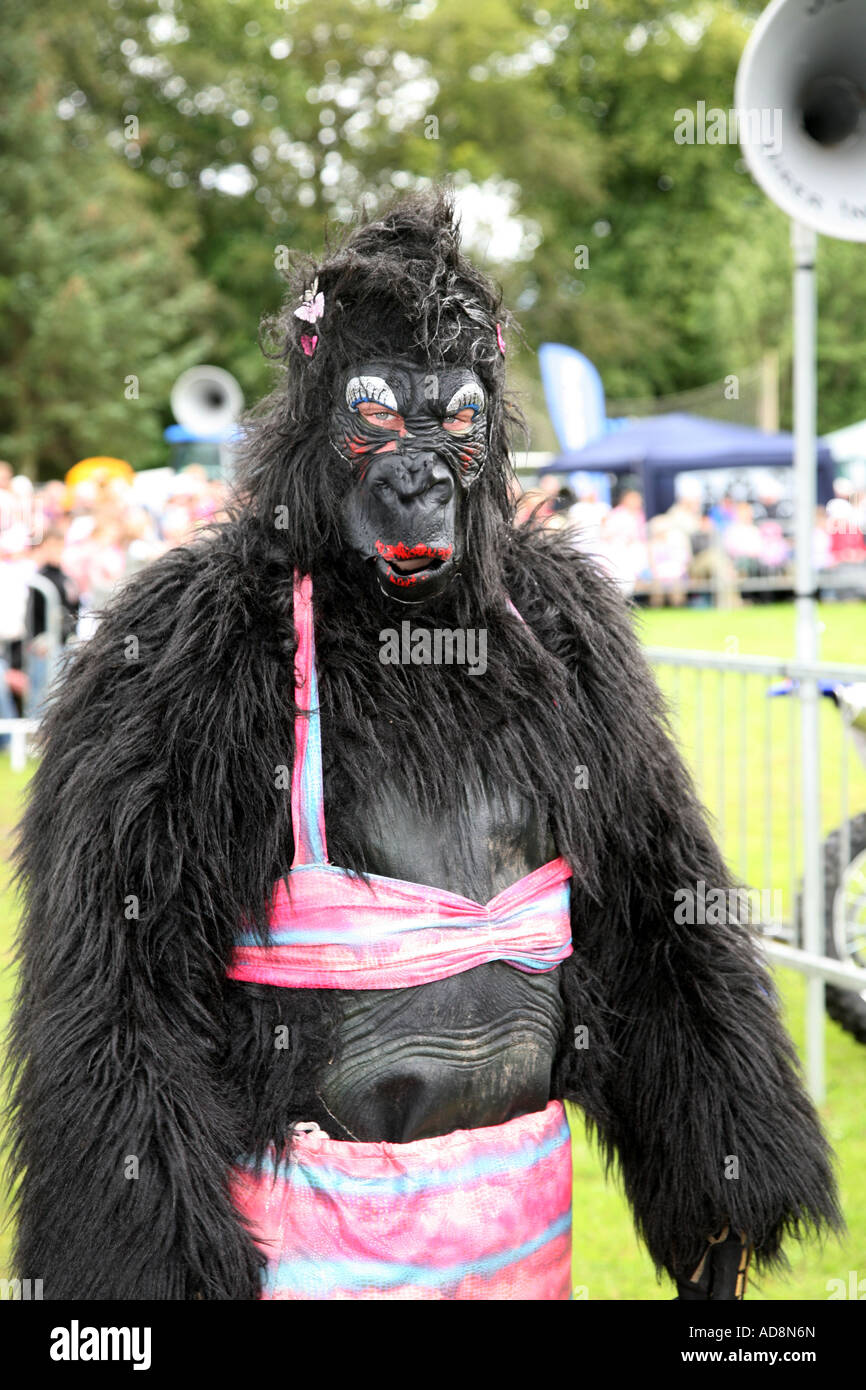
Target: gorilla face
[{"x": 416, "y": 439}]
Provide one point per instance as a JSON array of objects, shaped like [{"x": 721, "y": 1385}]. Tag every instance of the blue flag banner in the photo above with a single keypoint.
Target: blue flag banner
[{"x": 574, "y": 393}]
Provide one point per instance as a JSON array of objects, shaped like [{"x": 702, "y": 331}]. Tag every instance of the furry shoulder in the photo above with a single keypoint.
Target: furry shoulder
[
  {"x": 200, "y": 612},
  {"x": 575, "y": 608}
]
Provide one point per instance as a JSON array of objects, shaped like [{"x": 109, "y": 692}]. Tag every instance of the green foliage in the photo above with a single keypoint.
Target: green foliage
[
  {"x": 157, "y": 156},
  {"x": 101, "y": 302}
]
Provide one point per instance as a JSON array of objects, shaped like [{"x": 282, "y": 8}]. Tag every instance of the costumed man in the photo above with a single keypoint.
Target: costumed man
[{"x": 354, "y": 852}]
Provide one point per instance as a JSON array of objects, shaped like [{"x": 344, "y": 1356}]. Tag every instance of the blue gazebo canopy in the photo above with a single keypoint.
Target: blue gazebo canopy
[{"x": 659, "y": 447}]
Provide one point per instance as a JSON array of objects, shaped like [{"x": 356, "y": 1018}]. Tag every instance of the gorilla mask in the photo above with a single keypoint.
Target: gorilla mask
[
  {"x": 389, "y": 436},
  {"x": 416, "y": 440}
]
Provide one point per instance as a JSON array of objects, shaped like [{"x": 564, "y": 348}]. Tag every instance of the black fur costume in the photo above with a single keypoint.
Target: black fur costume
[{"x": 157, "y": 783}]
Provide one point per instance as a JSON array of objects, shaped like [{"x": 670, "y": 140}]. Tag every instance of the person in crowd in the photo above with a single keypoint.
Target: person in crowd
[
  {"x": 776, "y": 548},
  {"x": 627, "y": 517},
  {"x": 712, "y": 565},
  {"x": 742, "y": 541},
  {"x": 8, "y": 500},
  {"x": 83, "y": 502},
  {"x": 534, "y": 500},
  {"x": 46, "y": 635},
  {"x": 187, "y": 506},
  {"x": 587, "y": 516},
  {"x": 854, "y": 494},
  {"x": 669, "y": 555},
  {"x": 97, "y": 563},
  {"x": 14, "y": 569},
  {"x": 821, "y": 540},
  {"x": 846, "y": 543},
  {"x": 562, "y": 497},
  {"x": 723, "y": 512},
  {"x": 770, "y": 502},
  {"x": 51, "y": 499},
  {"x": 621, "y": 546},
  {"x": 142, "y": 543},
  {"x": 686, "y": 514}
]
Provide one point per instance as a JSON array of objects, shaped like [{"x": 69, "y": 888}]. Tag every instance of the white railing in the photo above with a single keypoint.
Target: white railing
[{"x": 18, "y": 730}]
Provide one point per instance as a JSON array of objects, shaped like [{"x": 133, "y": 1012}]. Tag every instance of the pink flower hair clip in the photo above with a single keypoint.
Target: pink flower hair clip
[
  {"x": 310, "y": 310},
  {"x": 499, "y": 338}
]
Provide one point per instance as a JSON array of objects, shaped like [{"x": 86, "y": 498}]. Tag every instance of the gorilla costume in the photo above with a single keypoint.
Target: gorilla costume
[{"x": 318, "y": 940}]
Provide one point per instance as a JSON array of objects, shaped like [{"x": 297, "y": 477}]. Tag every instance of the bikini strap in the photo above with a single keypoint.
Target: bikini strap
[
  {"x": 528, "y": 629},
  {"x": 308, "y": 799}
]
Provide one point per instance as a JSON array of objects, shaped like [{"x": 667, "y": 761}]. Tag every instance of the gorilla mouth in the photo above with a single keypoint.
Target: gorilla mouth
[
  {"x": 412, "y": 566},
  {"x": 408, "y": 566}
]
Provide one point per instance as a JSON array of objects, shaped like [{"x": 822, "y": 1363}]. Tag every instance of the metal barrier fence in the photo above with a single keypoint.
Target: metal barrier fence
[{"x": 745, "y": 749}]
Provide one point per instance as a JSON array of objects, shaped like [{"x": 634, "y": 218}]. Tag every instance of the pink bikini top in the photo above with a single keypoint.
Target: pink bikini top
[{"x": 335, "y": 930}]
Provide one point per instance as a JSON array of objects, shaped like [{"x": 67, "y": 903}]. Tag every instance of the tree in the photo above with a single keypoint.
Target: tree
[
  {"x": 232, "y": 131},
  {"x": 102, "y": 306}
]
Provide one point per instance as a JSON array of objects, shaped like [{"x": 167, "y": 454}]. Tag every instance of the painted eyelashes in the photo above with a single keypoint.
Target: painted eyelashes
[
  {"x": 460, "y": 413},
  {"x": 374, "y": 404},
  {"x": 370, "y": 388},
  {"x": 467, "y": 397}
]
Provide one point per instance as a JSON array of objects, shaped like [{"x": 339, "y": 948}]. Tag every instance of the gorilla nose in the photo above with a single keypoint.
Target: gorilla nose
[{"x": 413, "y": 476}]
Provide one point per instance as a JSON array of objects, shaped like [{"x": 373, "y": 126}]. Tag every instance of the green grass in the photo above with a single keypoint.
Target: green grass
[{"x": 608, "y": 1261}]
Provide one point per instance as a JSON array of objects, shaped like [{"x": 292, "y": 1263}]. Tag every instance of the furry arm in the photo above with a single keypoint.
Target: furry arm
[
  {"x": 685, "y": 1071},
  {"x": 125, "y": 1120}
]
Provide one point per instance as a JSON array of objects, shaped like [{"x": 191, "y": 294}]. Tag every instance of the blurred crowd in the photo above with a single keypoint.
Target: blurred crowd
[
  {"x": 65, "y": 548},
  {"x": 698, "y": 546}
]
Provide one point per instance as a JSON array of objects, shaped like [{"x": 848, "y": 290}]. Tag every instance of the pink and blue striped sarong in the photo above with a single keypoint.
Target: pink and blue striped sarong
[
  {"x": 481, "y": 1213},
  {"x": 477, "y": 1214}
]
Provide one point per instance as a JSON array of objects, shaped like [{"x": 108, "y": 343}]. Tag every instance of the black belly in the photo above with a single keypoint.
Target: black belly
[
  {"x": 472, "y": 1050},
  {"x": 476, "y": 1049}
]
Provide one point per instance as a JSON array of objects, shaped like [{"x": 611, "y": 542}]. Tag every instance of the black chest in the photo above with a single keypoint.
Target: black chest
[
  {"x": 490, "y": 840},
  {"x": 474, "y": 1049}
]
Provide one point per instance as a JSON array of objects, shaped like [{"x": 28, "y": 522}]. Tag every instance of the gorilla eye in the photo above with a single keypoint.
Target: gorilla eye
[
  {"x": 459, "y": 423},
  {"x": 466, "y": 403},
  {"x": 379, "y": 415}
]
